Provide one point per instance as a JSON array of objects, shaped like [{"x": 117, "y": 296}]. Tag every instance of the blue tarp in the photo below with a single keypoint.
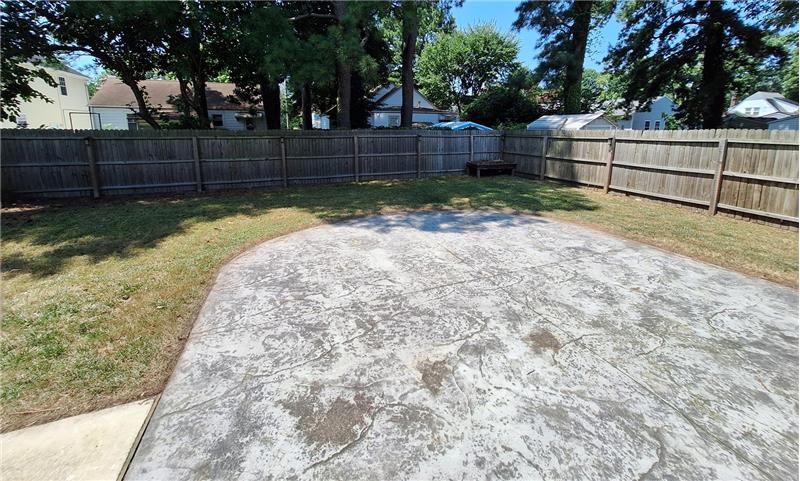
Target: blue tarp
[{"x": 460, "y": 126}]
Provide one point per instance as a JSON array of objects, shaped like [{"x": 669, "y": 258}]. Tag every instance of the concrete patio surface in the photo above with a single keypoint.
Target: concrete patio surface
[
  {"x": 95, "y": 446},
  {"x": 449, "y": 345}
]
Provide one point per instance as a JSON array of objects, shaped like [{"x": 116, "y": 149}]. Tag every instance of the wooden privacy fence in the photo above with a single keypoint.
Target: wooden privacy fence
[
  {"x": 741, "y": 172},
  {"x": 107, "y": 163}
]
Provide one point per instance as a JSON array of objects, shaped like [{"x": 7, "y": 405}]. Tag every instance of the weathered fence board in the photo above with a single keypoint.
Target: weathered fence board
[
  {"x": 759, "y": 176},
  {"x": 57, "y": 164}
]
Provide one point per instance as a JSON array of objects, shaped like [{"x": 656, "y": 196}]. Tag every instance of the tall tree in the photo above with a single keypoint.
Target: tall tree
[
  {"x": 354, "y": 23},
  {"x": 411, "y": 13},
  {"x": 564, "y": 27},
  {"x": 259, "y": 45},
  {"x": 418, "y": 20},
  {"x": 313, "y": 58},
  {"x": 690, "y": 48},
  {"x": 455, "y": 67}
]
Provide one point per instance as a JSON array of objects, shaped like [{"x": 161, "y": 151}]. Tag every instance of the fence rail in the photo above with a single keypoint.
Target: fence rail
[
  {"x": 751, "y": 173},
  {"x": 740, "y": 172}
]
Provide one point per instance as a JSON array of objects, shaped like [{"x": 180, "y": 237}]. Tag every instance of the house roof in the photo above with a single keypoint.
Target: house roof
[
  {"x": 460, "y": 126},
  {"x": 38, "y": 61},
  {"x": 382, "y": 93},
  {"x": 784, "y": 106},
  {"x": 114, "y": 93},
  {"x": 571, "y": 121}
]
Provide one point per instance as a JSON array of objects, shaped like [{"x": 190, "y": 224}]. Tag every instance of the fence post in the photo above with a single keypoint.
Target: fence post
[
  {"x": 198, "y": 175},
  {"x": 543, "y": 165},
  {"x": 723, "y": 159},
  {"x": 93, "y": 174},
  {"x": 419, "y": 156},
  {"x": 283, "y": 162},
  {"x": 471, "y": 148},
  {"x": 612, "y": 146},
  {"x": 502, "y": 145},
  {"x": 355, "y": 158}
]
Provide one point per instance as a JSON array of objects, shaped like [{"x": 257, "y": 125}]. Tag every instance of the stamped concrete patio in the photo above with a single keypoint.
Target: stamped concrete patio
[{"x": 479, "y": 346}]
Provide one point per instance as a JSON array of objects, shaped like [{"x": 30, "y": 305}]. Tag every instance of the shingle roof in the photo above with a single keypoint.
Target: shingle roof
[{"x": 114, "y": 93}]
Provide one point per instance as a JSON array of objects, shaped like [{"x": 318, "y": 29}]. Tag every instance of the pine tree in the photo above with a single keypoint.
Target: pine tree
[{"x": 564, "y": 27}]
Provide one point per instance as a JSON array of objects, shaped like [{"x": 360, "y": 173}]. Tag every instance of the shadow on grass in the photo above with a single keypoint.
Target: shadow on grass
[{"x": 101, "y": 230}]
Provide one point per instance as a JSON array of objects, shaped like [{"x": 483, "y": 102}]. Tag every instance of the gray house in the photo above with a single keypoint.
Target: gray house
[
  {"x": 116, "y": 107},
  {"x": 388, "y": 101},
  {"x": 759, "y": 110},
  {"x": 653, "y": 118}
]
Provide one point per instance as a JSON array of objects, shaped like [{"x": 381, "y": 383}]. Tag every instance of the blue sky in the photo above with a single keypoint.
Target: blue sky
[{"x": 502, "y": 14}]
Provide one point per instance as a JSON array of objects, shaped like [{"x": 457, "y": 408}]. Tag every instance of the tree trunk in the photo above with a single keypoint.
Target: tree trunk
[
  {"x": 185, "y": 102},
  {"x": 343, "y": 77},
  {"x": 574, "y": 70},
  {"x": 271, "y": 99},
  {"x": 201, "y": 102},
  {"x": 305, "y": 102},
  {"x": 144, "y": 110},
  {"x": 714, "y": 79},
  {"x": 410, "y": 32}
]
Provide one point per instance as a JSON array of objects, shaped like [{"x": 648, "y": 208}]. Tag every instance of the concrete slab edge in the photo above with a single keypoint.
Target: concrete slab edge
[{"x": 132, "y": 451}]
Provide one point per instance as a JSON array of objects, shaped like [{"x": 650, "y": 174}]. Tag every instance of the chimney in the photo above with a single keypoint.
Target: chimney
[{"x": 734, "y": 101}]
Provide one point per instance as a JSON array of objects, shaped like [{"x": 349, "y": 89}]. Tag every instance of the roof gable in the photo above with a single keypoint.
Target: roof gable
[{"x": 392, "y": 96}]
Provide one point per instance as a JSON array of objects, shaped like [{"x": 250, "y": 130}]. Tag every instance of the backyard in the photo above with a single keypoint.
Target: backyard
[{"x": 98, "y": 298}]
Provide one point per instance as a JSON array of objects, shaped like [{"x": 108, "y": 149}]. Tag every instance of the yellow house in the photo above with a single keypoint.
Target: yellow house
[{"x": 70, "y": 103}]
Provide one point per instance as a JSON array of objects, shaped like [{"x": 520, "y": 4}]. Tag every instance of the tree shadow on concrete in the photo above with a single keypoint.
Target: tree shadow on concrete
[{"x": 126, "y": 227}]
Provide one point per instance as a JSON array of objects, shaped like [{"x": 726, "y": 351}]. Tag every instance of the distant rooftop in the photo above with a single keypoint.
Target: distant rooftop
[
  {"x": 567, "y": 122},
  {"x": 114, "y": 93}
]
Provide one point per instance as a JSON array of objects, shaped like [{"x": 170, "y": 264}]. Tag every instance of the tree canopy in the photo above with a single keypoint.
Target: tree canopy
[
  {"x": 697, "y": 51},
  {"x": 458, "y": 66}
]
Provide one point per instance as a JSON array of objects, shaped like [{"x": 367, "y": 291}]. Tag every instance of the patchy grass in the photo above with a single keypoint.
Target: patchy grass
[{"x": 99, "y": 297}]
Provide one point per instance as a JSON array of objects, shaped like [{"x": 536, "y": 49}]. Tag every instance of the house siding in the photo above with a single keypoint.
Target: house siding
[
  {"x": 116, "y": 118},
  {"x": 789, "y": 123},
  {"x": 659, "y": 110},
  {"x": 56, "y": 114},
  {"x": 110, "y": 118}
]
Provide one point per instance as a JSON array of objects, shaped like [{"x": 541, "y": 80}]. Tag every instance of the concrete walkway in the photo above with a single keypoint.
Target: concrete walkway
[
  {"x": 444, "y": 346},
  {"x": 95, "y": 446}
]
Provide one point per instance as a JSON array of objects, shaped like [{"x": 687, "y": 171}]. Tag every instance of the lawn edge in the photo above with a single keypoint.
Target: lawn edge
[{"x": 209, "y": 282}]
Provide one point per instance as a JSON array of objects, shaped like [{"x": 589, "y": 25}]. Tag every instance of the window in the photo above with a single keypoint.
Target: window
[
  {"x": 646, "y": 125},
  {"x": 752, "y": 110},
  {"x": 217, "y": 120},
  {"x": 657, "y": 125},
  {"x": 132, "y": 124},
  {"x": 394, "y": 121},
  {"x": 62, "y": 82}
]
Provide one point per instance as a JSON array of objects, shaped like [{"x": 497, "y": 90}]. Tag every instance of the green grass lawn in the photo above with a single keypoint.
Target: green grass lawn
[{"x": 98, "y": 297}]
